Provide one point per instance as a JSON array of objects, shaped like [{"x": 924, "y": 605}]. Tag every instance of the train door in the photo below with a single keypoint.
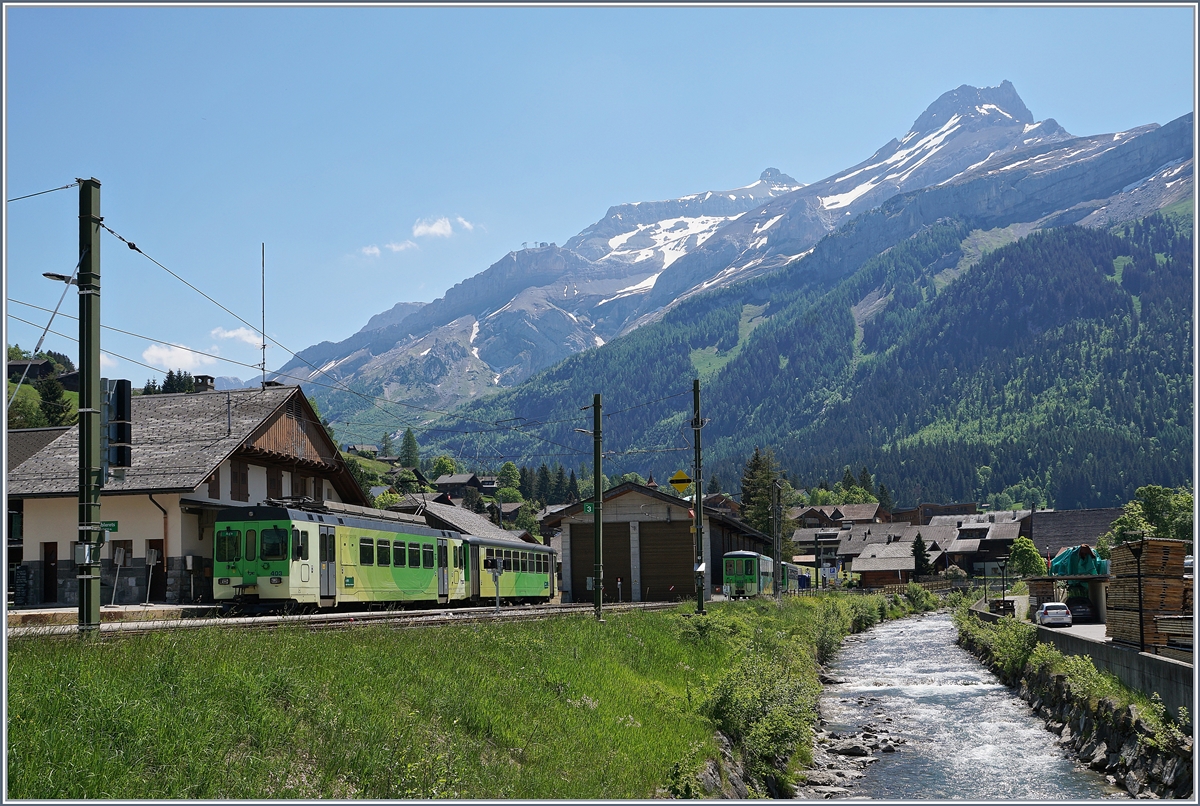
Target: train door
[
  {"x": 443, "y": 572},
  {"x": 328, "y": 560},
  {"x": 250, "y": 558}
]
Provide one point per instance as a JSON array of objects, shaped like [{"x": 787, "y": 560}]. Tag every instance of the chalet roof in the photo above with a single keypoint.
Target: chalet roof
[
  {"x": 861, "y": 535},
  {"x": 890, "y": 557},
  {"x": 448, "y": 516},
  {"x": 944, "y": 535},
  {"x": 981, "y": 518},
  {"x": 180, "y": 439},
  {"x": 555, "y": 519},
  {"x": 1009, "y": 530},
  {"x": 1054, "y": 530},
  {"x": 964, "y": 546},
  {"x": 25, "y": 442},
  {"x": 857, "y": 512},
  {"x": 455, "y": 479}
]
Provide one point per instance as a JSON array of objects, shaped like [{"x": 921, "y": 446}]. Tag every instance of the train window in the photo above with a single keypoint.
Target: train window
[
  {"x": 274, "y": 543},
  {"x": 383, "y": 553},
  {"x": 443, "y": 561},
  {"x": 251, "y": 544},
  {"x": 749, "y": 567},
  {"x": 508, "y": 563},
  {"x": 295, "y": 544},
  {"x": 525, "y": 561},
  {"x": 304, "y": 545},
  {"x": 398, "y": 555},
  {"x": 427, "y": 556},
  {"x": 228, "y": 546},
  {"x": 366, "y": 551},
  {"x": 414, "y": 555},
  {"x": 729, "y": 567}
]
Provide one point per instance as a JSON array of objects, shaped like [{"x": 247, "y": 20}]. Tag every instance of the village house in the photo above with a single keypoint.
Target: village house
[
  {"x": 648, "y": 545},
  {"x": 455, "y": 484},
  {"x": 192, "y": 455}
]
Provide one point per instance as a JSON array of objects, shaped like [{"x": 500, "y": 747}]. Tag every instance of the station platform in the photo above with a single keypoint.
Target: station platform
[{"x": 69, "y": 614}]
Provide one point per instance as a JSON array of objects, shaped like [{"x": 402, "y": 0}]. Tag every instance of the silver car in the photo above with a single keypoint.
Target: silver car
[{"x": 1051, "y": 613}]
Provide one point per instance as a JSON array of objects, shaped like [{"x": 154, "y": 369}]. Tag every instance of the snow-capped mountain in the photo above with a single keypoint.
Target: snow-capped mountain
[{"x": 974, "y": 153}]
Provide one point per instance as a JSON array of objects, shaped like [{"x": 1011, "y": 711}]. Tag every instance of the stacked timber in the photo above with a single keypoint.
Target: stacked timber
[{"x": 1166, "y": 597}]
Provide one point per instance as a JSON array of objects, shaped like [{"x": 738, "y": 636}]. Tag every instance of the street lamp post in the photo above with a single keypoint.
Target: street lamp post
[
  {"x": 1002, "y": 562},
  {"x": 1136, "y": 549}
]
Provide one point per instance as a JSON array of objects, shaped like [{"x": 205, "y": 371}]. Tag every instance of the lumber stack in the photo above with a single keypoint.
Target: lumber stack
[{"x": 1167, "y": 598}]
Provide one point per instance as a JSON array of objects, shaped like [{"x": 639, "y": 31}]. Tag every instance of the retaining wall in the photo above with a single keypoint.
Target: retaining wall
[{"x": 1172, "y": 679}]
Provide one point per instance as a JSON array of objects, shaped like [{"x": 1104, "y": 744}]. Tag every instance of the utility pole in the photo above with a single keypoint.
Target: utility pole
[
  {"x": 87, "y": 551},
  {"x": 698, "y": 506},
  {"x": 777, "y": 524},
  {"x": 597, "y": 512}
]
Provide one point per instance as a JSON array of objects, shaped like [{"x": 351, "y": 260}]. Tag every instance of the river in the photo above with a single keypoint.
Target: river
[{"x": 966, "y": 735}]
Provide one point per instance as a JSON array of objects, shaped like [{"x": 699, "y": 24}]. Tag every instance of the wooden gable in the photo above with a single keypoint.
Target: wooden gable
[{"x": 293, "y": 436}]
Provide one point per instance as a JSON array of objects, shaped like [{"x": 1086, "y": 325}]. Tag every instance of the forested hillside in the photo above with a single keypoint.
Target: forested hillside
[{"x": 1056, "y": 369}]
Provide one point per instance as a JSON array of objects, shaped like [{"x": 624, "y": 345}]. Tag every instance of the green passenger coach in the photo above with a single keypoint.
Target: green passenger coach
[
  {"x": 327, "y": 556},
  {"x": 747, "y": 574}
]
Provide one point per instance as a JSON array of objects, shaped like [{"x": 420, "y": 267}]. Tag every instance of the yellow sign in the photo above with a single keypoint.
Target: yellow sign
[{"x": 680, "y": 480}]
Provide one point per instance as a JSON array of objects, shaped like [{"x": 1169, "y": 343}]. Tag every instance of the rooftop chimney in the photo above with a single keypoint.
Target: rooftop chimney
[{"x": 203, "y": 383}]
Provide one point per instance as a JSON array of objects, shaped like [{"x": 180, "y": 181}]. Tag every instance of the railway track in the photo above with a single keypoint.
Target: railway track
[{"x": 343, "y": 621}]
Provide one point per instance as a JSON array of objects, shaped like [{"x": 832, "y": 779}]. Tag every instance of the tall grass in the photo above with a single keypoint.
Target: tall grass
[{"x": 562, "y": 708}]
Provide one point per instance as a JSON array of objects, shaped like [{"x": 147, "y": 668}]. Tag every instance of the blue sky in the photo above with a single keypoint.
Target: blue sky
[{"x": 385, "y": 153}]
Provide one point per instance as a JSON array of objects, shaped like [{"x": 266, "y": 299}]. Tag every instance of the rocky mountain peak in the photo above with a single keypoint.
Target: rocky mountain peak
[
  {"x": 777, "y": 177},
  {"x": 1002, "y": 103}
]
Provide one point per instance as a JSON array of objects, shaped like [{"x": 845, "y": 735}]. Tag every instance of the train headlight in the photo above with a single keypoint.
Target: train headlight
[
  {"x": 276, "y": 580},
  {"x": 223, "y": 581}
]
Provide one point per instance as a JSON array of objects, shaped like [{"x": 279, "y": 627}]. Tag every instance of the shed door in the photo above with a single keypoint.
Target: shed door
[
  {"x": 668, "y": 560},
  {"x": 328, "y": 559},
  {"x": 614, "y": 555}
]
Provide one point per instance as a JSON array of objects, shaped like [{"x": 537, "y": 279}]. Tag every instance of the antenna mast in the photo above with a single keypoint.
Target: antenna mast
[{"x": 264, "y": 313}]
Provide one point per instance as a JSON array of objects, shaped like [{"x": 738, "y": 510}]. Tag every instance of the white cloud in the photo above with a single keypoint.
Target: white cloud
[
  {"x": 400, "y": 247},
  {"x": 428, "y": 226},
  {"x": 108, "y": 362},
  {"x": 169, "y": 357},
  {"x": 467, "y": 225},
  {"x": 241, "y": 334},
  {"x": 371, "y": 251}
]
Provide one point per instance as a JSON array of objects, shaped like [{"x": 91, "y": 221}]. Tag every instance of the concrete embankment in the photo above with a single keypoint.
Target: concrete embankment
[{"x": 1103, "y": 736}]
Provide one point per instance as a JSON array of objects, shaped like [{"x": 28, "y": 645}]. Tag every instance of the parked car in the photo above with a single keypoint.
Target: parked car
[
  {"x": 1081, "y": 609},
  {"x": 1051, "y": 613}
]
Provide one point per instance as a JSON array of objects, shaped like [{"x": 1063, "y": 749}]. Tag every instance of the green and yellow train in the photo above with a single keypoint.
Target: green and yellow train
[
  {"x": 748, "y": 573},
  {"x": 313, "y": 556}
]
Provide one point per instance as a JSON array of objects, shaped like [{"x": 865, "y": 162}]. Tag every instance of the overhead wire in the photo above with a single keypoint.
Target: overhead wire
[{"x": 44, "y": 192}]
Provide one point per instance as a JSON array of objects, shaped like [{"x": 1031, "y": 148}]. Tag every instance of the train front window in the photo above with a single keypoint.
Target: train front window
[
  {"x": 274, "y": 543},
  {"x": 228, "y": 548},
  {"x": 729, "y": 567},
  {"x": 383, "y": 553},
  {"x": 251, "y": 545}
]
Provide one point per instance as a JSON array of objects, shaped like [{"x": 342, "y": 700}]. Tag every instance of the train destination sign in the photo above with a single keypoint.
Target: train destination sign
[{"x": 680, "y": 480}]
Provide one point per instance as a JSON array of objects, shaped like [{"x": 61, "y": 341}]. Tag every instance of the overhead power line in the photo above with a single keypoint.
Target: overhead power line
[{"x": 43, "y": 192}]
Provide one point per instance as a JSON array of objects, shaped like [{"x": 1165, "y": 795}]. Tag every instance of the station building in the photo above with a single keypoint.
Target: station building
[
  {"x": 192, "y": 455},
  {"x": 648, "y": 545}
]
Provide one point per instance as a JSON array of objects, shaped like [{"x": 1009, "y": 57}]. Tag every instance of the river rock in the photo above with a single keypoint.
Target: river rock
[{"x": 851, "y": 748}]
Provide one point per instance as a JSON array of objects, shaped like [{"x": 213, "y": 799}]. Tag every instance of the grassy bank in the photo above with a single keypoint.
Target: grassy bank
[
  {"x": 1012, "y": 646},
  {"x": 563, "y": 708}
]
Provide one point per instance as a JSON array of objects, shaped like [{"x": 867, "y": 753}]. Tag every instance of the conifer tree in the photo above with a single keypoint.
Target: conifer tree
[
  {"x": 920, "y": 557},
  {"x": 410, "y": 453}
]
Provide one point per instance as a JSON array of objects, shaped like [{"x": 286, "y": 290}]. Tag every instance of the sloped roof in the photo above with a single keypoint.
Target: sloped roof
[
  {"x": 1009, "y": 530},
  {"x": 447, "y": 516},
  {"x": 25, "y": 442},
  {"x": 861, "y": 535},
  {"x": 857, "y": 512},
  {"x": 455, "y": 478},
  {"x": 1056, "y": 530},
  {"x": 178, "y": 441}
]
